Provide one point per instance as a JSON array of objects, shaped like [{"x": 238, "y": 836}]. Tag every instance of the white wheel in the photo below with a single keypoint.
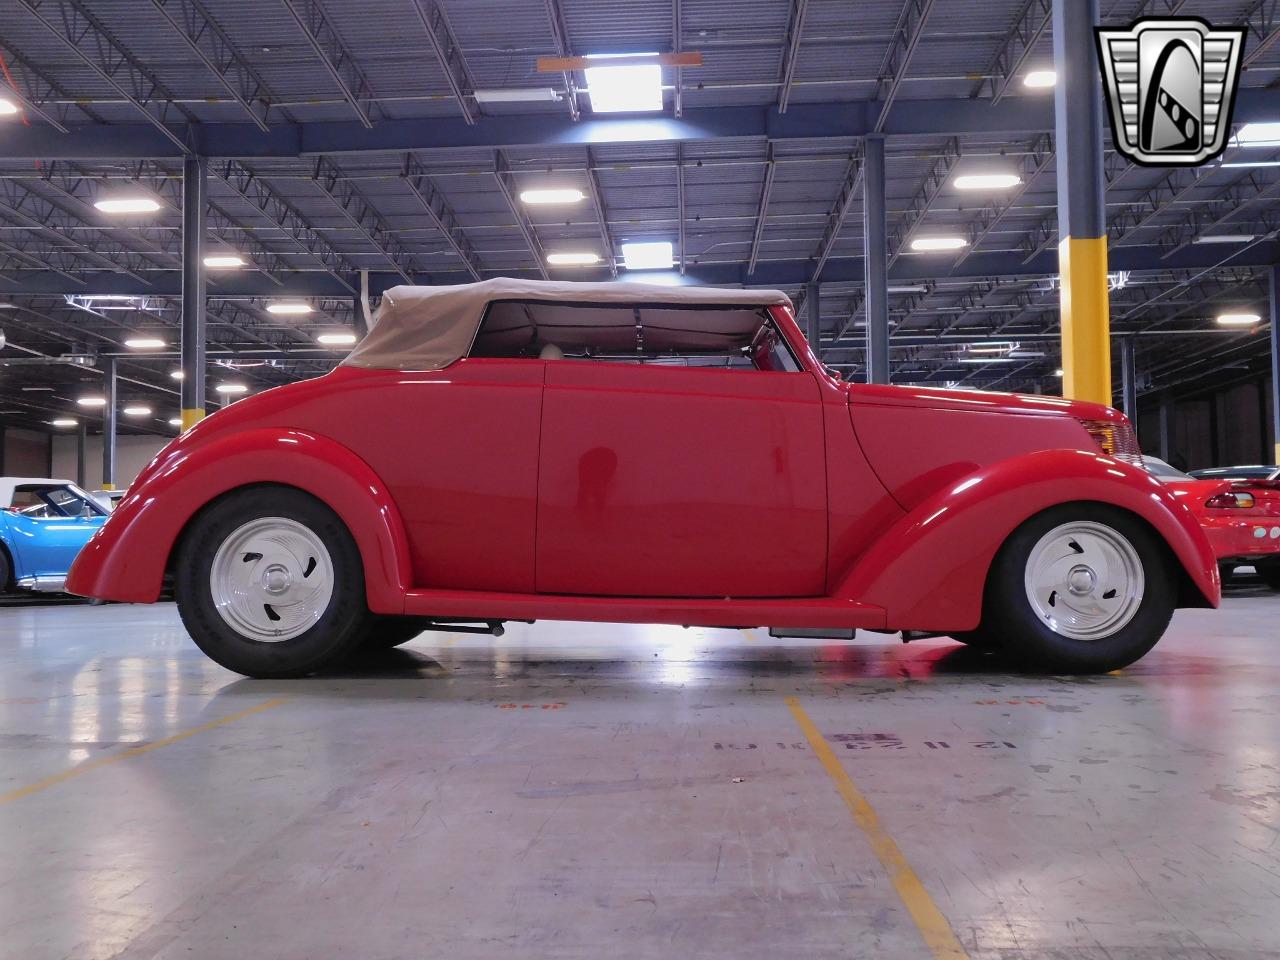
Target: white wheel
[
  {"x": 1084, "y": 580},
  {"x": 271, "y": 579}
]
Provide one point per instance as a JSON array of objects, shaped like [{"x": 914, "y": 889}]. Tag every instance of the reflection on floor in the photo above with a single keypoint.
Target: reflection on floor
[{"x": 582, "y": 790}]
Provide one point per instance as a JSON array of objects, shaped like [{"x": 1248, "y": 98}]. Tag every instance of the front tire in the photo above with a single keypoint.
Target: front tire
[
  {"x": 1080, "y": 588},
  {"x": 270, "y": 584},
  {"x": 386, "y": 632}
]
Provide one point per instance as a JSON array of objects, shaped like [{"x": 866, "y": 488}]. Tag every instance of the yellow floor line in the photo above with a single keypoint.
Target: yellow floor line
[
  {"x": 57, "y": 778},
  {"x": 933, "y": 926}
]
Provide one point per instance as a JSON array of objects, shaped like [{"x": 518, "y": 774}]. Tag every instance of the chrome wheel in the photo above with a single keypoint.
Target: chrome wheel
[
  {"x": 1084, "y": 580},
  {"x": 271, "y": 579}
]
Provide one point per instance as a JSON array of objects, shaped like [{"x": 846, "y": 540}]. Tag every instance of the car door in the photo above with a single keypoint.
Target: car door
[{"x": 670, "y": 481}]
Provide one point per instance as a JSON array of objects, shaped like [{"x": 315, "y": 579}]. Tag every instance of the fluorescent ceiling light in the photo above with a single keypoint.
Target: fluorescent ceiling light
[
  {"x": 224, "y": 261},
  {"x": 7, "y": 107},
  {"x": 938, "y": 243},
  {"x": 625, "y": 89},
  {"x": 289, "y": 308},
  {"x": 555, "y": 195},
  {"x": 1058, "y": 372},
  {"x": 1251, "y": 163},
  {"x": 127, "y": 205},
  {"x": 144, "y": 343},
  {"x": 572, "y": 259},
  {"x": 1225, "y": 238},
  {"x": 993, "y": 347},
  {"x": 336, "y": 339},
  {"x": 92, "y": 401},
  {"x": 64, "y": 422},
  {"x": 1005, "y": 359},
  {"x": 231, "y": 388},
  {"x": 175, "y": 421},
  {"x": 516, "y": 95},
  {"x": 908, "y": 288},
  {"x": 647, "y": 256},
  {"x": 986, "y": 181},
  {"x": 1238, "y": 319},
  {"x": 137, "y": 410},
  {"x": 177, "y": 374},
  {"x": 1040, "y": 79},
  {"x": 36, "y": 389},
  {"x": 1258, "y": 135}
]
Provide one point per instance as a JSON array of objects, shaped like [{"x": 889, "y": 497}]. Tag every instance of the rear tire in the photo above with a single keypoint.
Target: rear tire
[
  {"x": 1080, "y": 588},
  {"x": 1270, "y": 573},
  {"x": 270, "y": 584},
  {"x": 6, "y": 572},
  {"x": 978, "y": 639}
]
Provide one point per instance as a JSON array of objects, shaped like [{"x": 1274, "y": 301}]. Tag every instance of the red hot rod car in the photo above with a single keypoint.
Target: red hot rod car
[{"x": 626, "y": 452}]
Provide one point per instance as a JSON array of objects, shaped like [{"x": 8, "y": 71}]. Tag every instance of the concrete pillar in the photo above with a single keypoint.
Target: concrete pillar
[
  {"x": 876, "y": 256},
  {"x": 1082, "y": 233},
  {"x": 813, "y": 316},
  {"x": 1129, "y": 380},
  {"x": 1275, "y": 361},
  {"x": 109, "y": 413},
  {"x": 82, "y": 436},
  {"x": 194, "y": 197},
  {"x": 1168, "y": 427}
]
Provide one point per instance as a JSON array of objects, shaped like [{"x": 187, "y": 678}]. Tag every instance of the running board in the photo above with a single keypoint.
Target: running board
[
  {"x": 806, "y": 612},
  {"x": 43, "y": 584}
]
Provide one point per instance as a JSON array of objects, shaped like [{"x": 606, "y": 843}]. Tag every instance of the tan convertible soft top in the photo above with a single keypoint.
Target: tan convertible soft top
[{"x": 426, "y": 328}]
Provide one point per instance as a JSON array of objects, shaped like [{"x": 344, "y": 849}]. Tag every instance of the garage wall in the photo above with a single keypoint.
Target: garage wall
[
  {"x": 26, "y": 453},
  {"x": 132, "y": 454},
  {"x": 1233, "y": 426}
]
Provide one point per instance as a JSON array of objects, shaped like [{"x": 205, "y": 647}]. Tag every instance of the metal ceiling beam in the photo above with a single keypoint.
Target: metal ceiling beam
[
  {"x": 849, "y": 189},
  {"x": 897, "y": 59},
  {"x": 1034, "y": 161},
  {"x": 95, "y": 46},
  {"x": 246, "y": 184},
  {"x": 677, "y": 38},
  {"x": 449, "y": 53},
  {"x": 206, "y": 40},
  {"x": 1264, "y": 24},
  {"x": 420, "y": 185},
  {"x": 786, "y": 274},
  {"x": 333, "y": 55},
  {"x": 1028, "y": 27},
  {"x": 507, "y": 185},
  {"x": 920, "y": 203},
  {"x": 791, "y": 52},
  {"x": 560, "y": 37},
  {"x": 762, "y": 211},
  {"x": 1244, "y": 193},
  {"x": 602, "y": 219},
  {"x": 680, "y": 200},
  {"x": 362, "y": 215},
  {"x": 36, "y": 93}
]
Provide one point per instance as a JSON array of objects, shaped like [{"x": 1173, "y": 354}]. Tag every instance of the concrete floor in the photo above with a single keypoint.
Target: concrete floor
[{"x": 588, "y": 791}]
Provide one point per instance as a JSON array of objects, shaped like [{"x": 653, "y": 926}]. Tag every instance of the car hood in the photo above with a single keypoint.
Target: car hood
[{"x": 978, "y": 401}]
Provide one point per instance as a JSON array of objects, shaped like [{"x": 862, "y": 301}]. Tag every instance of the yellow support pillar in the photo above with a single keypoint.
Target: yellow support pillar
[
  {"x": 1086, "y": 319},
  {"x": 1082, "y": 220},
  {"x": 191, "y": 417}
]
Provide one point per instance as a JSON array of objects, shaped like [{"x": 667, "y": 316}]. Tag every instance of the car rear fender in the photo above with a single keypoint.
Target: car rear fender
[
  {"x": 929, "y": 571},
  {"x": 126, "y": 560}
]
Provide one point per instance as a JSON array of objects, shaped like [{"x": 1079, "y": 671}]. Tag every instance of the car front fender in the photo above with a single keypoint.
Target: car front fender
[
  {"x": 929, "y": 570},
  {"x": 127, "y": 558}
]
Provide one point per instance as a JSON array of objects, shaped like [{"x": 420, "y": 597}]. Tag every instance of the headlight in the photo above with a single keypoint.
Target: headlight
[{"x": 1116, "y": 439}]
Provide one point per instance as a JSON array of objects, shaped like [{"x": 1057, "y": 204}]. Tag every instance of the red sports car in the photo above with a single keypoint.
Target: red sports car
[
  {"x": 627, "y": 452},
  {"x": 1241, "y": 517}
]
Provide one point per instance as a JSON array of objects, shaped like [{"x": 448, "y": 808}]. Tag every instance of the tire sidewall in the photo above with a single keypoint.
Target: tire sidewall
[
  {"x": 1008, "y": 613},
  {"x": 336, "y": 633}
]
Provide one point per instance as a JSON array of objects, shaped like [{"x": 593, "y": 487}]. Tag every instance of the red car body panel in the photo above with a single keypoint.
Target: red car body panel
[
  {"x": 1235, "y": 533},
  {"x": 524, "y": 488}
]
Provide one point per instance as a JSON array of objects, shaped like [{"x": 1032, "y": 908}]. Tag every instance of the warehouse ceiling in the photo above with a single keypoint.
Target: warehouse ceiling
[{"x": 349, "y": 137}]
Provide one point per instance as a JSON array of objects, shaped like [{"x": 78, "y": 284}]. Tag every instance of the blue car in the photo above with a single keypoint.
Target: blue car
[{"x": 43, "y": 525}]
